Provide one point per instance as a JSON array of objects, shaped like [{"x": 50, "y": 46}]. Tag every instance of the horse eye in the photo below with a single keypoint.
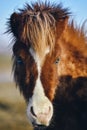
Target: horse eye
[
  {"x": 19, "y": 60},
  {"x": 57, "y": 60}
]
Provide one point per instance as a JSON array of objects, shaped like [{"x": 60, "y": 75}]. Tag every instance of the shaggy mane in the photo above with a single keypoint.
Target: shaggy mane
[
  {"x": 39, "y": 25},
  {"x": 78, "y": 36},
  {"x": 74, "y": 51}
]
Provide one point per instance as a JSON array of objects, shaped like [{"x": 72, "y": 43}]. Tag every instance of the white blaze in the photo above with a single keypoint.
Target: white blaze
[{"x": 39, "y": 101}]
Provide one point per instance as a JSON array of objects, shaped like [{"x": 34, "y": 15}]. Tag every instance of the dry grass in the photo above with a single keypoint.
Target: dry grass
[
  {"x": 5, "y": 63},
  {"x": 12, "y": 109}
]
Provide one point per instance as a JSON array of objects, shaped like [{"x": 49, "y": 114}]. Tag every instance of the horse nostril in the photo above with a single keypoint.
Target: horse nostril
[{"x": 32, "y": 111}]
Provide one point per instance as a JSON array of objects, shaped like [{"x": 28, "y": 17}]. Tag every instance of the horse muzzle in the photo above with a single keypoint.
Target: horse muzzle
[{"x": 40, "y": 112}]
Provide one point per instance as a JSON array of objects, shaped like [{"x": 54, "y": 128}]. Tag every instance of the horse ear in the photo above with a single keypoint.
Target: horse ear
[
  {"x": 62, "y": 25},
  {"x": 15, "y": 21}
]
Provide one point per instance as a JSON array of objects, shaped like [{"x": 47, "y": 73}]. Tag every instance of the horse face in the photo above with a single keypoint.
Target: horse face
[
  {"x": 37, "y": 31},
  {"x": 37, "y": 79}
]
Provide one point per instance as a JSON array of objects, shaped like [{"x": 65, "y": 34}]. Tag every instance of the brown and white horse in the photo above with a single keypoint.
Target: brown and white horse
[{"x": 50, "y": 66}]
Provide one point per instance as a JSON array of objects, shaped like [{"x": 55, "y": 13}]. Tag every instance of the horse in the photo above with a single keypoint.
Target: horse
[{"x": 50, "y": 66}]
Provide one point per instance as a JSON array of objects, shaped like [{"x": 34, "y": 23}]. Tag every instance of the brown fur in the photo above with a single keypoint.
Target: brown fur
[
  {"x": 74, "y": 54},
  {"x": 65, "y": 81}
]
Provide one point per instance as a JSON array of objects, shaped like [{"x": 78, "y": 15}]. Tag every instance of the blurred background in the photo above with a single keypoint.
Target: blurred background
[{"x": 12, "y": 105}]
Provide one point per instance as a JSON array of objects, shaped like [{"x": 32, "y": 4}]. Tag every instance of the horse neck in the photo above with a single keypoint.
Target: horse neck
[
  {"x": 76, "y": 37},
  {"x": 73, "y": 46}
]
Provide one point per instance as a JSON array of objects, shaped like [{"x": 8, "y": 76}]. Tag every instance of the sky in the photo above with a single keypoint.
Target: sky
[{"x": 7, "y": 7}]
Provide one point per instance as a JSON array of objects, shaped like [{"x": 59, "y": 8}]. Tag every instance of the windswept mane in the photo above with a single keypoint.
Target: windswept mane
[
  {"x": 74, "y": 50},
  {"x": 39, "y": 25},
  {"x": 77, "y": 36}
]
